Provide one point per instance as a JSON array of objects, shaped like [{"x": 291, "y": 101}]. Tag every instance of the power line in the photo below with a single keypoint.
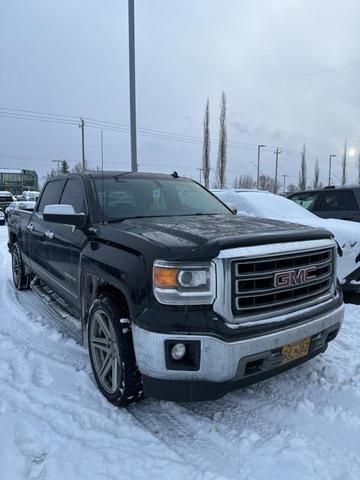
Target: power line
[{"x": 72, "y": 120}]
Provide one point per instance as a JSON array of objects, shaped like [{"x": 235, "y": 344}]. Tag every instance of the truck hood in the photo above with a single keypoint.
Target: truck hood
[{"x": 208, "y": 234}]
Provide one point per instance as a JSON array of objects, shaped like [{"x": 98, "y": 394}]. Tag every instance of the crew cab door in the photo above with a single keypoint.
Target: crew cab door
[
  {"x": 39, "y": 242},
  {"x": 67, "y": 243},
  {"x": 338, "y": 203}
]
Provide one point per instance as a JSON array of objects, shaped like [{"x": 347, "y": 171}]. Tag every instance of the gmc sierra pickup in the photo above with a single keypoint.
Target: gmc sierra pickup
[{"x": 176, "y": 296}]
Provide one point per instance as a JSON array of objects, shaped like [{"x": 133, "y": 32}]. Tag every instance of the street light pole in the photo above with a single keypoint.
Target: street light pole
[
  {"x": 258, "y": 166},
  {"x": 277, "y": 152},
  {"x": 200, "y": 172},
  {"x": 82, "y": 126},
  {"x": 330, "y": 158},
  {"x": 132, "y": 86},
  {"x": 58, "y": 165}
]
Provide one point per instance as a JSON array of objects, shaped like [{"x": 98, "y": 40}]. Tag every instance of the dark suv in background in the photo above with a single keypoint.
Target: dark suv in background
[{"x": 331, "y": 202}]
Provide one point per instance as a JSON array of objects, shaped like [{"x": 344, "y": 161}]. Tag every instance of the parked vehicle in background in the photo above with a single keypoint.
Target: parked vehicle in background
[
  {"x": 30, "y": 196},
  {"x": 176, "y": 296},
  {"x": 331, "y": 202},
  {"x": 260, "y": 203},
  {"x": 5, "y": 199},
  {"x": 2, "y": 217},
  {"x": 25, "y": 205}
]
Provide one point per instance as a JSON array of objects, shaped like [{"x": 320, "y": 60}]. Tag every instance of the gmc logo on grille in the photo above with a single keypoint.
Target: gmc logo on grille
[{"x": 291, "y": 278}]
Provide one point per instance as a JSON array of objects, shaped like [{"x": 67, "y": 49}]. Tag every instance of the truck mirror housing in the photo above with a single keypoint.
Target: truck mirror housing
[{"x": 64, "y": 214}]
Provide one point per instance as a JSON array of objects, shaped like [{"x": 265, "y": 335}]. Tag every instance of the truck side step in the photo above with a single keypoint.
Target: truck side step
[{"x": 43, "y": 303}]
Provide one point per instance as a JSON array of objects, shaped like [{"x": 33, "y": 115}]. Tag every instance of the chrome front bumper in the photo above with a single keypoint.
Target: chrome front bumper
[{"x": 222, "y": 361}]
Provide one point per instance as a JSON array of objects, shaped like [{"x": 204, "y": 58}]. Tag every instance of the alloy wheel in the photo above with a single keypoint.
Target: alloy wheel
[{"x": 105, "y": 352}]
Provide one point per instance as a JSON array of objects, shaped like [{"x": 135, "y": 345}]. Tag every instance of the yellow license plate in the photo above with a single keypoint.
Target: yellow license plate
[{"x": 296, "y": 350}]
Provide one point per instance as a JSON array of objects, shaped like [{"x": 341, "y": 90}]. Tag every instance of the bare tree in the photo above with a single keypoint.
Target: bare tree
[
  {"x": 267, "y": 183},
  {"x": 206, "y": 146},
  {"x": 245, "y": 181},
  {"x": 292, "y": 188},
  {"x": 302, "y": 173},
  {"x": 78, "y": 168},
  {"x": 316, "y": 174},
  {"x": 343, "y": 176},
  {"x": 221, "y": 160},
  {"x": 52, "y": 173}
]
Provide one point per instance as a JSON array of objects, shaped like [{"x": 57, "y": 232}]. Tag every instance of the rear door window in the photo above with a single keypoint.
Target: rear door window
[
  {"x": 338, "y": 200},
  {"x": 73, "y": 194},
  {"x": 51, "y": 194}
]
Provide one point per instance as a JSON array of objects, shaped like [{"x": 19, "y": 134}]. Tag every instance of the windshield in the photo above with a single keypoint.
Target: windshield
[
  {"x": 123, "y": 198},
  {"x": 266, "y": 205}
]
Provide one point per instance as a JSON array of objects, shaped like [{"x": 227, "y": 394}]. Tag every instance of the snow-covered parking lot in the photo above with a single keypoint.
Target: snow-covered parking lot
[{"x": 54, "y": 423}]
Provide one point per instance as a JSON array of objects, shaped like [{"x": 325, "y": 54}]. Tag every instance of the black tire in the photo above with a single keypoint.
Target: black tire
[
  {"x": 20, "y": 278},
  {"x": 122, "y": 383}
]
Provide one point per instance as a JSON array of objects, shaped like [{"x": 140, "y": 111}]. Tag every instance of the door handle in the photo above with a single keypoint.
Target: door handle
[
  {"x": 30, "y": 228},
  {"x": 49, "y": 234}
]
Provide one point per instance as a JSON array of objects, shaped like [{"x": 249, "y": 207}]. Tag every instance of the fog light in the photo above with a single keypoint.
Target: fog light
[{"x": 178, "y": 351}]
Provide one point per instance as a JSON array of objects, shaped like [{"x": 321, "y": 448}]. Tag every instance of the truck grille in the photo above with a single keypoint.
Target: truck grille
[{"x": 282, "y": 281}]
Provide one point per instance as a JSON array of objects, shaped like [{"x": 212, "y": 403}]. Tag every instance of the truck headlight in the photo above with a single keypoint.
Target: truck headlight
[{"x": 176, "y": 283}]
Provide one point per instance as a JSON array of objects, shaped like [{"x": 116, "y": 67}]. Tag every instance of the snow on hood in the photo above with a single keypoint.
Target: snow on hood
[{"x": 256, "y": 203}]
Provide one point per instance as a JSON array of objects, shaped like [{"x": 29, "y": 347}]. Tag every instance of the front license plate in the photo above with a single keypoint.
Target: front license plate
[{"x": 296, "y": 350}]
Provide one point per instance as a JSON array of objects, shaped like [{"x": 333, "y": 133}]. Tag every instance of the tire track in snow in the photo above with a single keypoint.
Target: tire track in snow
[{"x": 209, "y": 451}]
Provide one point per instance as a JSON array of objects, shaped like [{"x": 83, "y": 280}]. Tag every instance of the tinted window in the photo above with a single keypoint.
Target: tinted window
[
  {"x": 123, "y": 197},
  {"x": 51, "y": 194},
  {"x": 338, "y": 200},
  {"x": 305, "y": 199},
  {"x": 73, "y": 194}
]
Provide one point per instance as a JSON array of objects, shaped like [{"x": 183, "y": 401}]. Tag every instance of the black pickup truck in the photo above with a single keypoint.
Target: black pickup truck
[{"x": 176, "y": 296}]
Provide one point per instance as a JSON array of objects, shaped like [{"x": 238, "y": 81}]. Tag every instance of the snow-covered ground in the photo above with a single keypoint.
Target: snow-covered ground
[{"x": 54, "y": 423}]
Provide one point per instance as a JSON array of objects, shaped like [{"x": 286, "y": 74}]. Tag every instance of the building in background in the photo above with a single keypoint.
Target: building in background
[{"x": 17, "y": 180}]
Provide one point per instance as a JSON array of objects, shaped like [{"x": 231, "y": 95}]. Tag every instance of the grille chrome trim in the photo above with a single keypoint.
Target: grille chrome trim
[
  {"x": 270, "y": 273},
  {"x": 284, "y": 302},
  {"x": 257, "y": 291},
  {"x": 283, "y": 310}
]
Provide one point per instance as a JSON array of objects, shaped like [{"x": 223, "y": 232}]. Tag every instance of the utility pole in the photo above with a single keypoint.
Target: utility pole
[
  {"x": 58, "y": 165},
  {"x": 285, "y": 183},
  {"x": 102, "y": 150},
  {"x": 82, "y": 126},
  {"x": 258, "y": 165},
  {"x": 132, "y": 86},
  {"x": 277, "y": 152},
  {"x": 330, "y": 158}
]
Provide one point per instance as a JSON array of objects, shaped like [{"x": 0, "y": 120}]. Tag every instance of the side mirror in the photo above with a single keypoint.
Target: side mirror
[
  {"x": 232, "y": 207},
  {"x": 64, "y": 214}
]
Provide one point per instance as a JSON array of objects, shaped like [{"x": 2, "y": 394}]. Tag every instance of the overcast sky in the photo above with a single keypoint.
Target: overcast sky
[{"x": 290, "y": 70}]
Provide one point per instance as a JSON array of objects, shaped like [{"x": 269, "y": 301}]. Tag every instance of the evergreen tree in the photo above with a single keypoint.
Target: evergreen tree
[
  {"x": 64, "y": 168},
  {"x": 206, "y": 146},
  {"x": 316, "y": 174},
  {"x": 302, "y": 173},
  {"x": 222, "y": 156}
]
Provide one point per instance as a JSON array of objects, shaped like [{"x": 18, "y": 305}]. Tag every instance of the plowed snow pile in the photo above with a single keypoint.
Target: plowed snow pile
[{"x": 54, "y": 424}]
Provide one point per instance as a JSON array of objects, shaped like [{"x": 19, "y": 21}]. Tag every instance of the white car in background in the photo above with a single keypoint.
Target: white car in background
[
  {"x": 260, "y": 203},
  {"x": 19, "y": 205},
  {"x": 30, "y": 195}
]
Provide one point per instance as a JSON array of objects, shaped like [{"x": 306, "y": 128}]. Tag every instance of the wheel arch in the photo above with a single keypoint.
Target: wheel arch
[{"x": 93, "y": 285}]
